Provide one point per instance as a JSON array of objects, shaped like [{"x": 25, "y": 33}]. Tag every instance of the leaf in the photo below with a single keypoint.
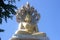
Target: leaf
[
  {"x": 0, "y": 20},
  {"x": 7, "y": 10},
  {"x": 1, "y": 30},
  {"x": 11, "y": 6}
]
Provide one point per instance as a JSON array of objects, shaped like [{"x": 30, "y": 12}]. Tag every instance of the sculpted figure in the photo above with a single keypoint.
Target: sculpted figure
[{"x": 27, "y": 17}]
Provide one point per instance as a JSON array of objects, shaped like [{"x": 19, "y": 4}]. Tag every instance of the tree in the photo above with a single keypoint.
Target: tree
[
  {"x": 7, "y": 10},
  {"x": 1, "y": 30}
]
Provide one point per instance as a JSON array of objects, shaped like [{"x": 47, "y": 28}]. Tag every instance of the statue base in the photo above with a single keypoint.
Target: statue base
[{"x": 34, "y": 36}]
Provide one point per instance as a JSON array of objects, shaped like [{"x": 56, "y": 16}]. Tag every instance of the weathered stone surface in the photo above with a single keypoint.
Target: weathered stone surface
[
  {"x": 24, "y": 39},
  {"x": 28, "y": 36}
]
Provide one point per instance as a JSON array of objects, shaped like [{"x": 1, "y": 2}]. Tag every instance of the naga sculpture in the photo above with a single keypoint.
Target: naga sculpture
[{"x": 27, "y": 17}]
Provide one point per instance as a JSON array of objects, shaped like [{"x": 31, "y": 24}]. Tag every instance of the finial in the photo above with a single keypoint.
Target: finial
[
  {"x": 27, "y": 5},
  {"x": 27, "y": 2}
]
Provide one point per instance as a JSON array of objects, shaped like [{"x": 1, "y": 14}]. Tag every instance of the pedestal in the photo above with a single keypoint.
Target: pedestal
[{"x": 28, "y": 37}]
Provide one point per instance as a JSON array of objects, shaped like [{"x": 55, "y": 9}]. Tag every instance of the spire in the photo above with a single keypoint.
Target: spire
[{"x": 27, "y": 3}]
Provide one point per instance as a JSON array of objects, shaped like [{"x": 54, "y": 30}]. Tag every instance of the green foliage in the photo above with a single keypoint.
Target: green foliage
[
  {"x": 1, "y": 30},
  {"x": 7, "y": 10}
]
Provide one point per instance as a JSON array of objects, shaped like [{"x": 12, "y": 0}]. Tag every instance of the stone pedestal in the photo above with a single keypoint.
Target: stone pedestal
[
  {"x": 23, "y": 39},
  {"x": 35, "y": 36}
]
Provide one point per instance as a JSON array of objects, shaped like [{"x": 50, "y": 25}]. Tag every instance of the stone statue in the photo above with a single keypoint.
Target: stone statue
[{"x": 27, "y": 17}]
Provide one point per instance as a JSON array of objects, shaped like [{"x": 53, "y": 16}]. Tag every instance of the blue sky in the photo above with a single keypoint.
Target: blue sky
[{"x": 48, "y": 23}]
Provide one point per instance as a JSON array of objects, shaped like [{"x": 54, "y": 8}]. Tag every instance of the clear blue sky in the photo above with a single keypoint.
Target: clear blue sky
[{"x": 49, "y": 22}]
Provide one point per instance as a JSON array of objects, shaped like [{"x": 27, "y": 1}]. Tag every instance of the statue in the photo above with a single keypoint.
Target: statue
[{"x": 27, "y": 17}]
